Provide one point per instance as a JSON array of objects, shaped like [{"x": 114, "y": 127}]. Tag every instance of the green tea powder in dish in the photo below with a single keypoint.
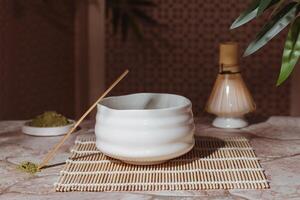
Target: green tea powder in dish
[
  {"x": 49, "y": 119},
  {"x": 28, "y": 167}
]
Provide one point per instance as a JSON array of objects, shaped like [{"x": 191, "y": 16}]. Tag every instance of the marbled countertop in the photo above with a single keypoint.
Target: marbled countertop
[{"x": 276, "y": 142}]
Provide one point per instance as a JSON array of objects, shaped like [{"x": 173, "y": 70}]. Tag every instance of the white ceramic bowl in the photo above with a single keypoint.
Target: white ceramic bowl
[
  {"x": 47, "y": 131},
  {"x": 145, "y": 128}
]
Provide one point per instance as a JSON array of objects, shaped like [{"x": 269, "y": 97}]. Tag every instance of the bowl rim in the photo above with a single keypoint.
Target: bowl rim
[{"x": 185, "y": 105}]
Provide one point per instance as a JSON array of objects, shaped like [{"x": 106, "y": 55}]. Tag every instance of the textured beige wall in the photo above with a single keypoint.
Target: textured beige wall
[{"x": 36, "y": 58}]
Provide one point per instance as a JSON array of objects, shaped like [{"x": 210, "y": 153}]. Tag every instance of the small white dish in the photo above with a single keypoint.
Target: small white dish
[
  {"x": 145, "y": 128},
  {"x": 47, "y": 131}
]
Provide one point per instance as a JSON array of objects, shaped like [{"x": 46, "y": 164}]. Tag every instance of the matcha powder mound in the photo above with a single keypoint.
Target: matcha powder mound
[
  {"x": 49, "y": 119},
  {"x": 28, "y": 167}
]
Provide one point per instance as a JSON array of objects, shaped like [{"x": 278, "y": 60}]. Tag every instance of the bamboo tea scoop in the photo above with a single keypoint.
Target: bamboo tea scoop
[{"x": 51, "y": 153}]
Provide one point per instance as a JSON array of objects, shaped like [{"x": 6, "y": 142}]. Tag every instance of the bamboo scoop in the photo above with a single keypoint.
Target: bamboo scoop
[{"x": 51, "y": 153}]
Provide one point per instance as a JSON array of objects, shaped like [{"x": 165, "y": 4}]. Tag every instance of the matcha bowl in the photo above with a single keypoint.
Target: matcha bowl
[{"x": 145, "y": 128}]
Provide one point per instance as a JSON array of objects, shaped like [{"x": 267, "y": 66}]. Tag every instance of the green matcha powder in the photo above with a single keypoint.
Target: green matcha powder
[
  {"x": 49, "y": 119},
  {"x": 28, "y": 167}
]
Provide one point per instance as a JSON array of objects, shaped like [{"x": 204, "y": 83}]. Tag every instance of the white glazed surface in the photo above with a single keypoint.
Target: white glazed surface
[
  {"x": 47, "y": 131},
  {"x": 145, "y": 128},
  {"x": 230, "y": 122}
]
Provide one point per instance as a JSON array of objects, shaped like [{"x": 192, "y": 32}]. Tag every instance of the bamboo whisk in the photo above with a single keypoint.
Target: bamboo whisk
[{"x": 51, "y": 153}]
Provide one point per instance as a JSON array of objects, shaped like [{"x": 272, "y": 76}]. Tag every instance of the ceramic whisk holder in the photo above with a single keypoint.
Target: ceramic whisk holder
[
  {"x": 145, "y": 128},
  {"x": 230, "y": 99}
]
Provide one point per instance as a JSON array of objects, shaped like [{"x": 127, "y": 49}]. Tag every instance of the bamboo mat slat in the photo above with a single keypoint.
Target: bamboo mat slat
[{"x": 214, "y": 163}]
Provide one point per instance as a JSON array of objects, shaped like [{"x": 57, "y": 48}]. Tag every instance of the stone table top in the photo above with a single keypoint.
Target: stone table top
[{"x": 275, "y": 141}]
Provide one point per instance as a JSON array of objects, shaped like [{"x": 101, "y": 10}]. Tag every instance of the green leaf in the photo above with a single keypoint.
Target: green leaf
[
  {"x": 263, "y": 5},
  {"x": 144, "y": 16},
  {"x": 247, "y": 15},
  {"x": 250, "y": 13},
  {"x": 278, "y": 5},
  {"x": 128, "y": 16},
  {"x": 277, "y": 23},
  {"x": 136, "y": 29},
  {"x": 146, "y": 3},
  {"x": 291, "y": 52}
]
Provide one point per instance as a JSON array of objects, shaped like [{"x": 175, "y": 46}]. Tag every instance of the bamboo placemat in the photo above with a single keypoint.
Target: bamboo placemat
[{"x": 214, "y": 163}]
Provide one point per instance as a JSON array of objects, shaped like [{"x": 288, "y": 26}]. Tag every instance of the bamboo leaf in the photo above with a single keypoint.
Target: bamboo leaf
[
  {"x": 247, "y": 15},
  {"x": 250, "y": 13},
  {"x": 277, "y": 23},
  {"x": 278, "y": 5},
  {"x": 263, "y": 5},
  {"x": 136, "y": 28},
  {"x": 145, "y": 3},
  {"x": 143, "y": 16},
  {"x": 127, "y": 16},
  {"x": 291, "y": 52}
]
